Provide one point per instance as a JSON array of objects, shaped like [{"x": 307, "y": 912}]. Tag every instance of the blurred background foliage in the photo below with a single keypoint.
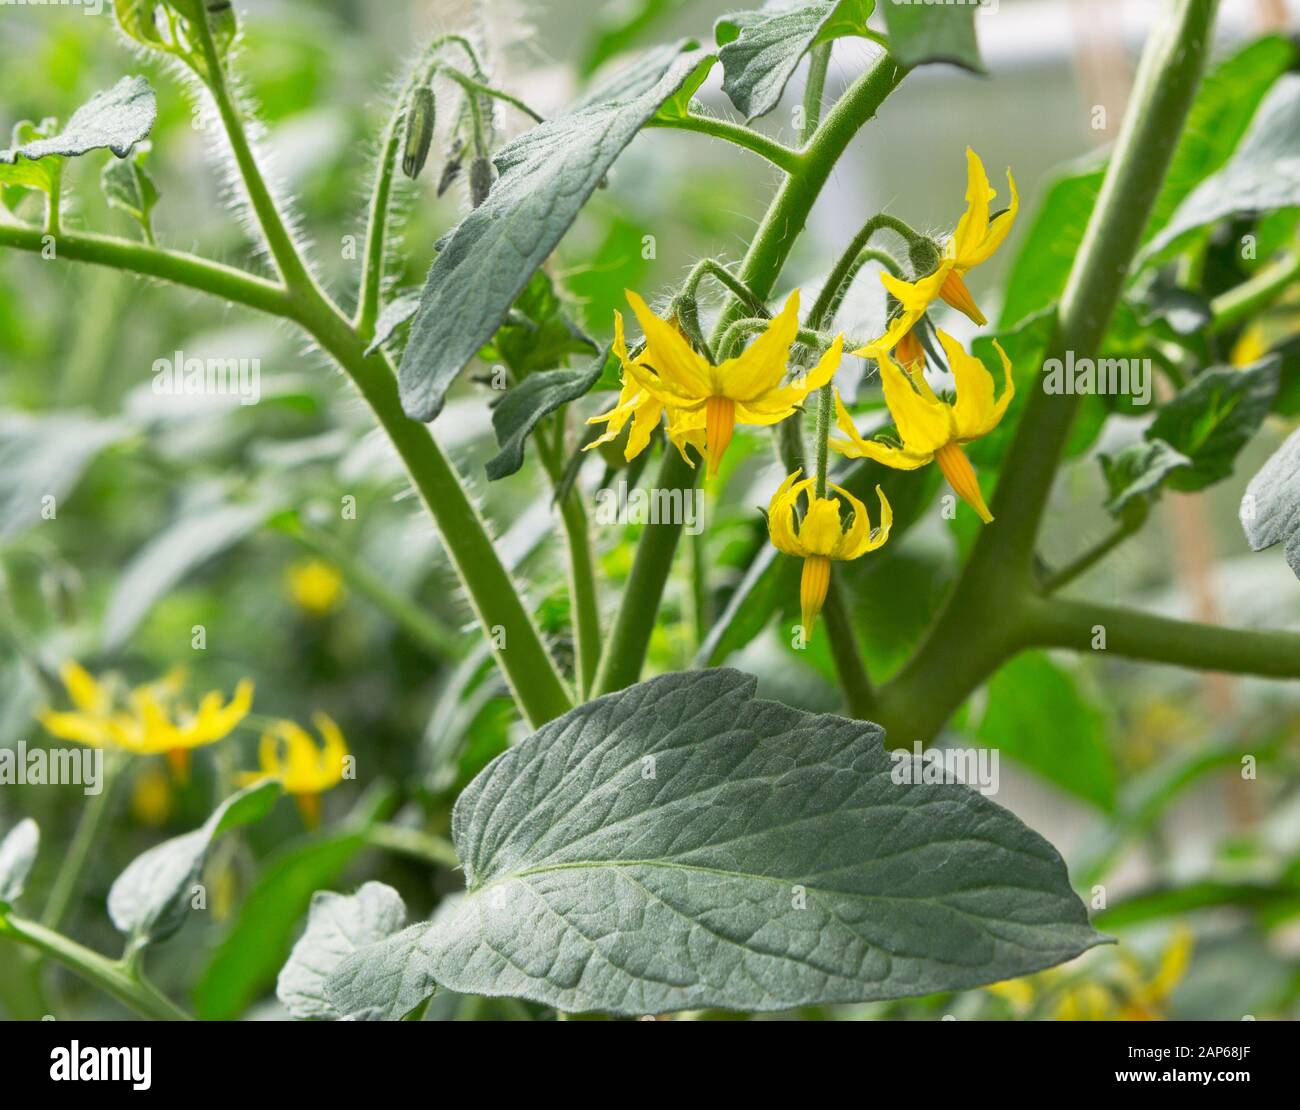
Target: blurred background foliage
[{"x": 182, "y": 512}]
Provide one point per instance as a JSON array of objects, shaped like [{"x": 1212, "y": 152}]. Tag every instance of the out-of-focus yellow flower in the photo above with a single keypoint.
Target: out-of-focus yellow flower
[
  {"x": 974, "y": 240},
  {"x": 315, "y": 586},
  {"x": 1251, "y": 345},
  {"x": 152, "y": 800},
  {"x": 1146, "y": 999},
  {"x": 698, "y": 395},
  {"x": 932, "y": 429},
  {"x": 822, "y": 535},
  {"x": 149, "y": 720},
  {"x": 287, "y": 752}
]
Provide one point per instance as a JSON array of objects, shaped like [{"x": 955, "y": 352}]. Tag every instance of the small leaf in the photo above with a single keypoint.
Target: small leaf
[
  {"x": 1263, "y": 174},
  {"x": 138, "y": 19},
  {"x": 116, "y": 119},
  {"x": 761, "y": 49},
  {"x": 924, "y": 32},
  {"x": 681, "y": 844},
  {"x": 1135, "y": 476},
  {"x": 538, "y": 333},
  {"x": 337, "y": 925},
  {"x": 395, "y": 313},
  {"x": 1213, "y": 418},
  {"x": 546, "y": 176},
  {"x": 127, "y": 186},
  {"x": 517, "y": 413},
  {"x": 1270, "y": 511},
  {"x": 149, "y": 900},
  {"x": 17, "y": 854},
  {"x": 384, "y": 981}
]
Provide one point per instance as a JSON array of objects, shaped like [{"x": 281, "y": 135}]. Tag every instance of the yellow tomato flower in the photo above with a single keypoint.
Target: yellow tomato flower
[
  {"x": 821, "y": 535},
  {"x": 644, "y": 410},
  {"x": 930, "y": 428},
  {"x": 151, "y": 720},
  {"x": 699, "y": 396},
  {"x": 287, "y": 752},
  {"x": 1146, "y": 999},
  {"x": 973, "y": 241},
  {"x": 315, "y": 586}
]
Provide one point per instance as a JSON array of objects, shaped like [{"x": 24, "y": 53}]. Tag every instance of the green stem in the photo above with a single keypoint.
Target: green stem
[
  {"x": 113, "y": 977},
  {"x": 83, "y": 840},
  {"x": 854, "y": 680},
  {"x": 583, "y": 596},
  {"x": 700, "y": 613},
  {"x": 786, "y": 216},
  {"x": 711, "y": 267},
  {"x": 1089, "y": 558},
  {"x": 280, "y": 243},
  {"x": 470, "y": 85},
  {"x": 737, "y": 134},
  {"x": 987, "y": 616},
  {"x": 825, "y": 421},
  {"x": 439, "y": 641},
  {"x": 819, "y": 62},
  {"x": 414, "y": 843},
  {"x": 177, "y": 267},
  {"x": 855, "y": 256},
  {"x": 1134, "y": 635},
  {"x": 1251, "y": 297}
]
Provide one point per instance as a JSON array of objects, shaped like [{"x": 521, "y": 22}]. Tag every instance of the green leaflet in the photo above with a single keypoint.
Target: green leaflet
[
  {"x": 1037, "y": 715},
  {"x": 517, "y": 413},
  {"x": 1135, "y": 476},
  {"x": 1270, "y": 511},
  {"x": 1213, "y": 418},
  {"x": 128, "y": 187},
  {"x": 1262, "y": 176},
  {"x": 149, "y": 900},
  {"x": 922, "y": 31},
  {"x": 681, "y": 844},
  {"x": 117, "y": 119},
  {"x": 761, "y": 49},
  {"x": 394, "y": 314},
  {"x": 17, "y": 854},
  {"x": 384, "y": 981},
  {"x": 337, "y": 925},
  {"x": 546, "y": 176}
]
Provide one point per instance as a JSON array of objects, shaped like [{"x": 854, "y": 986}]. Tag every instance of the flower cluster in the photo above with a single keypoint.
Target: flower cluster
[
  {"x": 157, "y": 719},
  {"x": 700, "y": 403}
]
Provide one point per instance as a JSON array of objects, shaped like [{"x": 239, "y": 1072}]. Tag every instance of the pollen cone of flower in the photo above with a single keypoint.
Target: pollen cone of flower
[
  {"x": 822, "y": 535},
  {"x": 974, "y": 240},
  {"x": 703, "y": 398},
  {"x": 932, "y": 429},
  {"x": 287, "y": 752}
]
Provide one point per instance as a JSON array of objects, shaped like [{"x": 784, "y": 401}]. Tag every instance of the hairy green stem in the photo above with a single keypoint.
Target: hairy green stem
[
  {"x": 737, "y": 134},
  {"x": 986, "y": 619},
  {"x": 74, "y": 860},
  {"x": 819, "y": 62},
  {"x": 114, "y": 977},
  {"x": 855, "y": 256}
]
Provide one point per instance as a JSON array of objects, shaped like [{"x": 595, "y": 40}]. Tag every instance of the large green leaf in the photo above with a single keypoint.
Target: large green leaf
[
  {"x": 546, "y": 176},
  {"x": 149, "y": 900},
  {"x": 246, "y": 961},
  {"x": 1270, "y": 511},
  {"x": 17, "y": 854},
  {"x": 199, "y": 535},
  {"x": 383, "y": 981},
  {"x": 117, "y": 119},
  {"x": 1213, "y": 418},
  {"x": 921, "y": 31},
  {"x": 337, "y": 926},
  {"x": 1037, "y": 715},
  {"x": 682, "y": 844},
  {"x": 1262, "y": 176},
  {"x": 761, "y": 49}
]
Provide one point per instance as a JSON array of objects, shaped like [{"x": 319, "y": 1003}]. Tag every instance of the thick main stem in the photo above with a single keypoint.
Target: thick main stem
[{"x": 985, "y": 618}]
